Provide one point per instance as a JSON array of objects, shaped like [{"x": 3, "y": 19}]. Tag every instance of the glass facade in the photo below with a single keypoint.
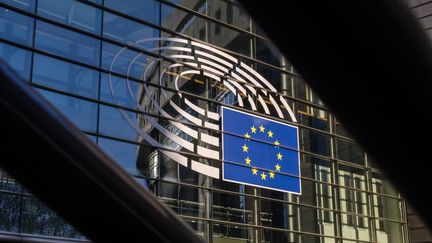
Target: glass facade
[{"x": 77, "y": 52}]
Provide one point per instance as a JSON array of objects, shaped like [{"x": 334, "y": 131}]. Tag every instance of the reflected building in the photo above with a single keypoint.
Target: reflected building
[{"x": 110, "y": 67}]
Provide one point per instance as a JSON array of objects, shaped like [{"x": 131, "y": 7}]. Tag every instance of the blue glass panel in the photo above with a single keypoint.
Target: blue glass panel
[
  {"x": 147, "y": 10},
  {"x": 72, "y": 13},
  {"x": 112, "y": 123},
  {"x": 27, "y": 5},
  {"x": 92, "y": 138},
  {"x": 123, "y": 153},
  {"x": 67, "y": 43},
  {"x": 96, "y": 1},
  {"x": 128, "y": 31},
  {"x": 17, "y": 58},
  {"x": 123, "y": 60},
  {"x": 123, "y": 95},
  {"x": 16, "y": 27},
  {"x": 65, "y": 76},
  {"x": 82, "y": 113}
]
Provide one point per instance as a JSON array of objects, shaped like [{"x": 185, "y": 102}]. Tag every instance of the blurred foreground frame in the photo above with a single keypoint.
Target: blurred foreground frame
[
  {"x": 370, "y": 62},
  {"x": 91, "y": 191}
]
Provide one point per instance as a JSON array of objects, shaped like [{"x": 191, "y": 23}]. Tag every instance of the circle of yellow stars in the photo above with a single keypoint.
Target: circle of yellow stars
[{"x": 248, "y": 161}]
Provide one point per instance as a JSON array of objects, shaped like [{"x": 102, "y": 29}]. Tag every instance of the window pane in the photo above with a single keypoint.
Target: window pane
[
  {"x": 349, "y": 151},
  {"x": 229, "y": 39},
  {"x": 196, "y": 5},
  {"x": 65, "y": 76},
  {"x": 27, "y": 5},
  {"x": 183, "y": 22},
  {"x": 128, "y": 31},
  {"x": 72, "y": 13},
  {"x": 82, "y": 113},
  {"x": 123, "y": 61},
  {"x": 16, "y": 27},
  {"x": 123, "y": 95},
  {"x": 67, "y": 43},
  {"x": 229, "y": 13},
  {"x": 147, "y": 10},
  {"x": 112, "y": 123},
  {"x": 17, "y": 58},
  {"x": 124, "y": 153}
]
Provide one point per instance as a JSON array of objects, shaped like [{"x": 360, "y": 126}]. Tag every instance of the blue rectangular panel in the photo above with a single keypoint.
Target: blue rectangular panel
[{"x": 260, "y": 152}]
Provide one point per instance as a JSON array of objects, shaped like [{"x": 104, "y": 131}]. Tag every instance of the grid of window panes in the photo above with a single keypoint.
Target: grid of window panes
[{"x": 65, "y": 50}]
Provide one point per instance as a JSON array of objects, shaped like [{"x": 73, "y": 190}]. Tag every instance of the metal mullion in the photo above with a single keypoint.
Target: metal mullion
[
  {"x": 141, "y": 22},
  {"x": 188, "y": 153},
  {"x": 160, "y": 117},
  {"x": 186, "y": 217},
  {"x": 420, "y": 4},
  {"x": 337, "y": 217},
  {"x": 99, "y": 80},
  {"x": 139, "y": 50},
  {"x": 370, "y": 203},
  {"x": 424, "y": 16},
  {"x": 173, "y": 90},
  {"x": 181, "y": 35},
  {"x": 21, "y": 193},
  {"x": 212, "y": 19}
]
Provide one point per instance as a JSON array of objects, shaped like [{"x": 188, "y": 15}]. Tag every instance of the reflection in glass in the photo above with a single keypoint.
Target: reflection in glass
[
  {"x": 183, "y": 22},
  {"x": 230, "y": 13},
  {"x": 112, "y": 123},
  {"x": 125, "y": 154},
  {"x": 147, "y": 10},
  {"x": 65, "y": 76},
  {"x": 125, "y": 92},
  {"x": 82, "y": 113},
  {"x": 16, "y": 27},
  {"x": 72, "y": 13},
  {"x": 17, "y": 58},
  {"x": 389, "y": 232},
  {"x": 348, "y": 150},
  {"x": 123, "y": 61},
  {"x": 128, "y": 31},
  {"x": 27, "y": 5},
  {"x": 67, "y": 43}
]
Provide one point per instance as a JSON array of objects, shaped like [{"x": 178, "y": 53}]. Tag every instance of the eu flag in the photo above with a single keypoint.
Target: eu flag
[{"x": 260, "y": 152}]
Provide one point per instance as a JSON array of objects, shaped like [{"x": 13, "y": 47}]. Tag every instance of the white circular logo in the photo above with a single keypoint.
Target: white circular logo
[{"x": 187, "y": 59}]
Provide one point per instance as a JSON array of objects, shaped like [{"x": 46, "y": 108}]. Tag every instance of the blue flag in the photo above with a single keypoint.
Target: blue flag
[{"x": 260, "y": 152}]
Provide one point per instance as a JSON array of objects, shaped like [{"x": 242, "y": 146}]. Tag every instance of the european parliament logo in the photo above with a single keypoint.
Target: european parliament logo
[{"x": 260, "y": 152}]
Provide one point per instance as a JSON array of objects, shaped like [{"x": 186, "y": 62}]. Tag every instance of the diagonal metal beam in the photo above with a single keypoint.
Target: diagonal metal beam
[{"x": 62, "y": 167}]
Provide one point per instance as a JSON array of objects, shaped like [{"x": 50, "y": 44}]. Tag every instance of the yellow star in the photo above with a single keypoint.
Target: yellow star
[
  {"x": 279, "y": 155},
  {"x": 245, "y": 148},
  {"x": 248, "y": 160},
  {"x": 247, "y": 136},
  {"x": 270, "y": 134},
  {"x": 263, "y": 176},
  {"x": 277, "y": 167},
  {"x": 253, "y": 128},
  {"x": 277, "y": 143},
  {"x": 262, "y": 128},
  {"x": 272, "y": 174},
  {"x": 254, "y": 171}
]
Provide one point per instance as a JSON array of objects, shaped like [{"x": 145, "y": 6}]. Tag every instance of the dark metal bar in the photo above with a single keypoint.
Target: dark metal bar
[
  {"x": 331, "y": 44},
  {"x": 64, "y": 167}
]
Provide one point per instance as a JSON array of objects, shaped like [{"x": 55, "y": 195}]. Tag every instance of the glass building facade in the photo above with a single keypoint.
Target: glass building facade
[{"x": 76, "y": 52}]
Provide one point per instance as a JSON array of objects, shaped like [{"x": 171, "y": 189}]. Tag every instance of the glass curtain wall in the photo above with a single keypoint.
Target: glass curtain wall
[{"x": 76, "y": 52}]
